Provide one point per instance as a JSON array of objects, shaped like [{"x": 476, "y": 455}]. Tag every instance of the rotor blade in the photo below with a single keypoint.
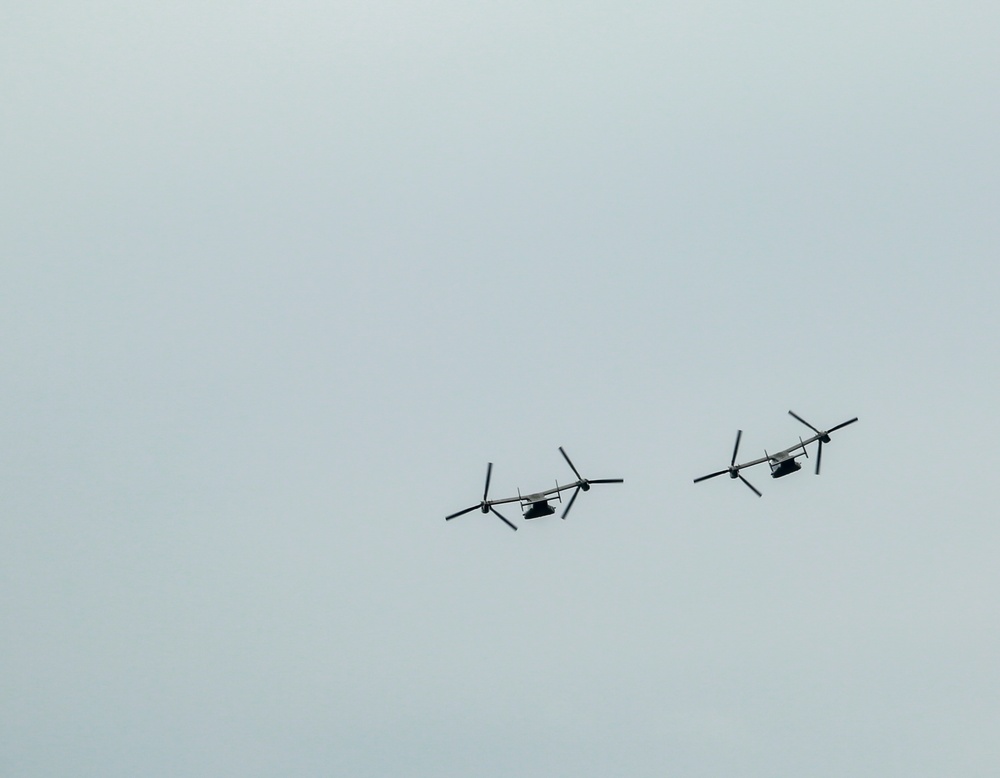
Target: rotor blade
[
  {"x": 503, "y": 519},
  {"x": 832, "y": 429},
  {"x": 752, "y": 487},
  {"x": 570, "y": 463},
  {"x": 819, "y": 456},
  {"x": 571, "y": 501},
  {"x": 606, "y": 481},
  {"x": 736, "y": 448},
  {"x": 810, "y": 426},
  {"x": 460, "y": 513},
  {"x": 489, "y": 471},
  {"x": 710, "y": 475}
]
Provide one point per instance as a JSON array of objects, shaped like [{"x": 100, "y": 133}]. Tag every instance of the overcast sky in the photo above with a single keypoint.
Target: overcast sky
[{"x": 279, "y": 279}]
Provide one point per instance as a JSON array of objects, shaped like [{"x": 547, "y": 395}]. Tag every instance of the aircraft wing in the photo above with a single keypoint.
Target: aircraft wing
[
  {"x": 535, "y": 496},
  {"x": 801, "y": 444},
  {"x": 503, "y": 500},
  {"x": 751, "y": 463},
  {"x": 783, "y": 454}
]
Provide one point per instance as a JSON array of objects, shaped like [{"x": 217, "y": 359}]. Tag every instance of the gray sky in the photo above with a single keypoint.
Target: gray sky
[{"x": 280, "y": 279}]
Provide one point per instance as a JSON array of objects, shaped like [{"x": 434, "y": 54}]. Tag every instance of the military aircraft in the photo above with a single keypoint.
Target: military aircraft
[
  {"x": 783, "y": 462},
  {"x": 536, "y": 505}
]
